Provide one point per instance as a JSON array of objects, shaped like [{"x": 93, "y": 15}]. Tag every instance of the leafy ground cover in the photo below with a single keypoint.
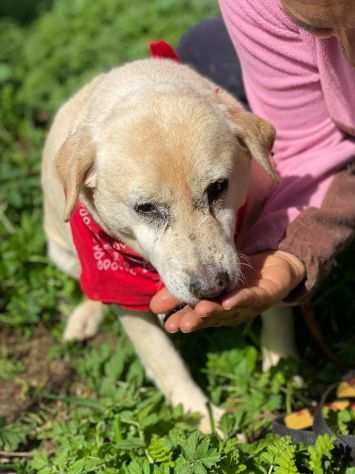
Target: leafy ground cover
[{"x": 89, "y": 408}]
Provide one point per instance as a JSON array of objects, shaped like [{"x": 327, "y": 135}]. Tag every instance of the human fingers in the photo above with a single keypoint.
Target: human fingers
[{"x": 163, "y": 302}]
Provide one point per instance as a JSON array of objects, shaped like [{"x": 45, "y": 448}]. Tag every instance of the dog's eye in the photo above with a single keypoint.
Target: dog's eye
[
  {"x": 150, "y": 210},
  {"x": 146, "y": 208},
  {"x": 216, "y": 189}
]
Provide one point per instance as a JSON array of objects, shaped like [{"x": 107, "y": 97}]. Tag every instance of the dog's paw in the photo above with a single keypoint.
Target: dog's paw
[
  {"x": 194, "y": 401},
  {"x": 269, "y": 359},
  {"x": 205, "y": 425},
  {"x": 84, "y": 321},
  {"x": 272, "y": 358}
]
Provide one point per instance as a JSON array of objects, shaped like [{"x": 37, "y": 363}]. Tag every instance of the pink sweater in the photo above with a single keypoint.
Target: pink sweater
[{"x": 306, "y": 88}]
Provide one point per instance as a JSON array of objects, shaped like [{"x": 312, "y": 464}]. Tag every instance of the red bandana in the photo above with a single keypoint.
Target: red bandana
[
  {"x": 162, "y": 49},
  {"x": 112, "y": 272}
]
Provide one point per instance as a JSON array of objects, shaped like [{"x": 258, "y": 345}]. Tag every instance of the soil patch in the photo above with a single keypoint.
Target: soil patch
[{"x": 37, "y": 372}]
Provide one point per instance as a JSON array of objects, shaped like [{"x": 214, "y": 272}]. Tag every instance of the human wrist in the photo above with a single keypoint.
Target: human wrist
[{"x": 296, "y": 265}]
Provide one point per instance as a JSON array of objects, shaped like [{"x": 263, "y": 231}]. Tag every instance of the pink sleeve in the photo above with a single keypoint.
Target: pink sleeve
[{"x": 283, "y": 85}]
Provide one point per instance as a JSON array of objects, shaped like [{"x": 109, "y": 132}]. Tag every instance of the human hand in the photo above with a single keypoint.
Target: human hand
[{"x": 267, "y": 279}]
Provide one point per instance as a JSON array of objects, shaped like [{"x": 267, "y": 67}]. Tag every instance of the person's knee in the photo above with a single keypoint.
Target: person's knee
[
  {"x": 200, "y": 38},
  {"x": 208, "y": 48}
]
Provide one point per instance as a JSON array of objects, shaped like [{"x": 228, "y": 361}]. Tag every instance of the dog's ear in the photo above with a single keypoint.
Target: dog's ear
[
  {"x": 254, "y": 134},
  {"x": 75, "y": 164},
  {"x": 257, "y": 136}
]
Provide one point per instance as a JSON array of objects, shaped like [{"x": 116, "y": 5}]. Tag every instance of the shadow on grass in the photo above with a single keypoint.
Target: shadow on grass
[{"x": 23, "y": 11}]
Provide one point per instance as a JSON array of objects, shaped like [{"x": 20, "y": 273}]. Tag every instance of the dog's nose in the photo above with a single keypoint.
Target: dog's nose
[
  {"x": 222, "y": 280},
  {"x": 202, "y": 289}
]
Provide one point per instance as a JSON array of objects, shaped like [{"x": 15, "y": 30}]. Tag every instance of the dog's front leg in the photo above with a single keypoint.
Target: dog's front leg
[
  {"x": 277, "y": 337},
  {"x": 84, "y": 321},
  {"x": 165, "y": 366}
]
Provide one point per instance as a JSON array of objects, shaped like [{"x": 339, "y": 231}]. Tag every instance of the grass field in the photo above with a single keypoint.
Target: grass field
[{"x": 85, "y": 408}]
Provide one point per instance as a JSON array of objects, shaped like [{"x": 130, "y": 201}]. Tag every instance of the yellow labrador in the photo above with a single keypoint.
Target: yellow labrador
[{"x": 162, "y": 158}]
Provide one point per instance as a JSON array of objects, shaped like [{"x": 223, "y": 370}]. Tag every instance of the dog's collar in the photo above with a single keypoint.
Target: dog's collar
[{"x": 112, "y": 272}]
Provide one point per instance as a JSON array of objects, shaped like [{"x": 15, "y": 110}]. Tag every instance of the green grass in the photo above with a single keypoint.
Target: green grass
[{"x": 104, "y": 416}]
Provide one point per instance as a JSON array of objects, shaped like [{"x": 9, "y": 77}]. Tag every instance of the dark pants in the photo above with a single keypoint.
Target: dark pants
[{"x": 208, "y": 48}]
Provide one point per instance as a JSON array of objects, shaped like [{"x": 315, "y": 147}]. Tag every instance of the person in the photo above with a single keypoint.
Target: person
[{"x": 293, "y": 62}]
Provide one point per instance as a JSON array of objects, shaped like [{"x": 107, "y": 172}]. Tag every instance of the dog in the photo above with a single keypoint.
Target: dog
[{"x": 161, "y": 159}]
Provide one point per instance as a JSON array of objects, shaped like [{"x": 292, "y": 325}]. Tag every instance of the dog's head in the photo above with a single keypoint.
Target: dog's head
[{"x": 166, "y": 173}]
